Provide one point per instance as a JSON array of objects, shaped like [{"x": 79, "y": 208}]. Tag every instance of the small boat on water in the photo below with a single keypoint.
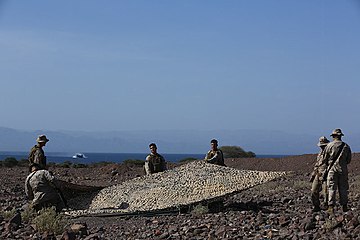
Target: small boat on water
[{"x": 79, "y": 155}]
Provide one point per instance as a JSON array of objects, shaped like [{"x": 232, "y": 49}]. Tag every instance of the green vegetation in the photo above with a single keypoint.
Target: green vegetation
[
  {"x": 236, "y": 152},
  {"x": 28, "y": 214},
  {"x": 9, "y": 162},
  {"x": 199, "y": 210},
  {"x": 48, "y": 220},
  {"x": 136, "y": 162},
  {"x": 8, "y": 214}
]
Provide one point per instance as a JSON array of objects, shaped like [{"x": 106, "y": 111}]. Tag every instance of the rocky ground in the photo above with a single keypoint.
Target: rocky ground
[{"x": 280, "y": 209}]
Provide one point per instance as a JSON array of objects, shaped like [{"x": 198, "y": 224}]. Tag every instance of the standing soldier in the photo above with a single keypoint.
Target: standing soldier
[
  {"x": 215, "y": 155},
  {"x": 37, "y": 154},
  {"x": 317, "y": 176},
  {"x": 338, "y": 156},
  {"x": 154, "y": 162}
]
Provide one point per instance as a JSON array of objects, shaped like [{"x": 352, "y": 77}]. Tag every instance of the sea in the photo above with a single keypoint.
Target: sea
[{"x": 60, "y": 157}]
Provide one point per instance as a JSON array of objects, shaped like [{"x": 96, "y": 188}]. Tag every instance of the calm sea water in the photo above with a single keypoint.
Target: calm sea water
[{"x": 57, "y": 157}]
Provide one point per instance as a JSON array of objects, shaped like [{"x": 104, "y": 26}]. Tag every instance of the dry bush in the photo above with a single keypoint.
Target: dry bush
[
  {"x": 199, "y": 210},
  {"x": 50, "y": 221}
]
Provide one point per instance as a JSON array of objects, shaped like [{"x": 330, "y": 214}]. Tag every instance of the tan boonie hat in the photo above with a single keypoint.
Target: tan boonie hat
[
  {"x": 42, "y": 138},
  {"x": 323, "y": 141},
  {"x": 337, "y": 132}
]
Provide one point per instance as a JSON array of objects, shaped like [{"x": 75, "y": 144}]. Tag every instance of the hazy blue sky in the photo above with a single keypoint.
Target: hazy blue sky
[{"x": 131, "y": 65}]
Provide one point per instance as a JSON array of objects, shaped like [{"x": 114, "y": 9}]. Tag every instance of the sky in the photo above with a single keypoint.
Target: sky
[{"x": 94, "y": 65}]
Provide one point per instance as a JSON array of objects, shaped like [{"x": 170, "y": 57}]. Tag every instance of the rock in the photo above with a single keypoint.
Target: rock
[
  {"x": 48, "y": 236},
  {"x": 94, "y": 236},
  {"x": 68, "y": 235},
  {"x": 79, "y": 229},
  {"x": 16, "y": 219}
]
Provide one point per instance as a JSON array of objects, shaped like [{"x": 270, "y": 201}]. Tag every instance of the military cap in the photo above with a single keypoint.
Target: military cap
[
  {"x": 337, "y": 132},
  {"x": 323, "y": 141},
  {"x": 42, "y": 138}
]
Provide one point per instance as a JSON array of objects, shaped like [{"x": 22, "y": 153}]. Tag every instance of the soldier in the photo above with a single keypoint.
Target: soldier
[
  {"x": 154, "y": 162},
  {"x": 338, "y": 156},
  {"x": 317, "y": 176},
  {"x": 41, "y": 188},
  {"x": 215, "y": 155},
  {"x": 37, "y": 154}
]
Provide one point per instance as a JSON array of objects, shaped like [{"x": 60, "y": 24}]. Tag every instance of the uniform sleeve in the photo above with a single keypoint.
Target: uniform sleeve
[
  {"x": 214, "y": 158},
  {"x": 28, "y": 189},
  {"x": 207, "y": 156},
  {"x": 39, "y": 158},
  {"x": 147, "y": 167}
]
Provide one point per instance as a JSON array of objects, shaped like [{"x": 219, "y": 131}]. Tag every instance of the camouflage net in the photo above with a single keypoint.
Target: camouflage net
[{"x": 187, "y": 184}]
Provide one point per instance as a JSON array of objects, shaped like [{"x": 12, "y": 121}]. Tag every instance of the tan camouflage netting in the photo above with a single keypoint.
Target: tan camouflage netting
[{"x": 188, "y": 184}]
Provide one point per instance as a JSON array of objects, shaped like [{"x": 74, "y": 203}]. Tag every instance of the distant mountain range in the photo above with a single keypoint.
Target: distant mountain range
[{"x": 168, "y": 141}]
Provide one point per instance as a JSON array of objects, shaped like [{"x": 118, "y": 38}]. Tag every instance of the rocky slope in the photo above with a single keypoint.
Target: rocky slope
[{"x": 280, "y": 209}]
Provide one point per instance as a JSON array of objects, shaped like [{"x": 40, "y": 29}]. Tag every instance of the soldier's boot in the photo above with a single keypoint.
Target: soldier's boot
[
  {"x": 345, "y": 208},
  {"x": 330, "y": 210}
]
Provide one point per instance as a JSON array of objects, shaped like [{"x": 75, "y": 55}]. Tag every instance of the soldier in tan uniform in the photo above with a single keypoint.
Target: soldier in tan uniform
[
  {"x": 338, "y": 156},
  {"x": 215, "y": 155},
  {"x": 37, "y": 154},
  {"x": 41, "y": 189},
  {"x": 154, "y": 162},
  {"x": 317, "y": 176}
]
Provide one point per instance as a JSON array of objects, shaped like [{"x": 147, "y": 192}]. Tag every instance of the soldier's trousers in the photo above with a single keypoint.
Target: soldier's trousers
[
  {"x": 338, "y": 181},
  {"x": 316, "y": 188}
]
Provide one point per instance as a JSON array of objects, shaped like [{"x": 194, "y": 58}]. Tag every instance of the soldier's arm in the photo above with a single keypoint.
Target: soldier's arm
[
  {"x": 39, "y": 158},
  {"x": 147, "y": 167},
  {"x": 28, "y": 189},
  {"x": 214, "y": 158}
]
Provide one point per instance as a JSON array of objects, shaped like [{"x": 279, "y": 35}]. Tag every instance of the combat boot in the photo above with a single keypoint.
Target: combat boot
[
  {"x": 330, "y": 210},
  {"x": 345, "y": 208}
]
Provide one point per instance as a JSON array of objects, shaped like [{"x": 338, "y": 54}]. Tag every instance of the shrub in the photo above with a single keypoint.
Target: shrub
[
  {"x": 65, "y": 164},
  {"x": 10, "y": 162},
  {"x": 134, "y": 162},
  {"x": 23, "y": 162},
  {"x": 28, "y": 214},
  {"x": 80, "y": 165},
  {"x": 101, "y": 164},
  {"x": 199, "y": 210},
  {"x": 49, "y": 220},
  {"x": 236, "y": 152},
  {"x": 8, "y": 214}
]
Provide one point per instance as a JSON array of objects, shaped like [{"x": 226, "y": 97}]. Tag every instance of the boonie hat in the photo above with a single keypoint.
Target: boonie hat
[
  {"x": 323, "y": 141},
  {"x": 41, "y": 139},
  {"x": 337, "y": 132}
]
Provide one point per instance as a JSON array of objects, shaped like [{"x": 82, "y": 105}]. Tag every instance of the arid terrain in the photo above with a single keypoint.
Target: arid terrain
[{"x": 280, "y": 209}]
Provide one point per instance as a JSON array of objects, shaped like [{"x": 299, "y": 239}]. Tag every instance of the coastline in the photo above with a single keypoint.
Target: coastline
[{"x": 59, "y": 157}]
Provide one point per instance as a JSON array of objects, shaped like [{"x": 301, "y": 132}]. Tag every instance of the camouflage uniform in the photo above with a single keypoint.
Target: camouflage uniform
[
  {"x": 154, "y": 163},
  {"x": 215, "y": 157},
  {"x": 41, "y": 189},
  {"x": 318, "y": 183},
  {"x": 37, "y": 155},
  {"x": 337, "y": 177}
]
